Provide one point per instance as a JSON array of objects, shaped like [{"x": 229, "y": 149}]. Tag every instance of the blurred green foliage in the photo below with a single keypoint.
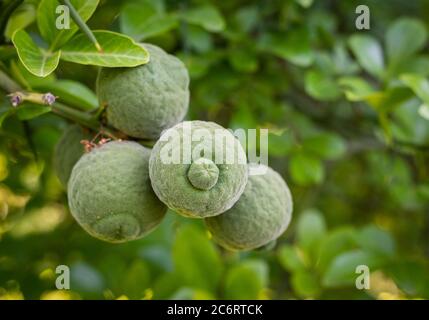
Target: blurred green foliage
[{"x": 348, "y": 113}]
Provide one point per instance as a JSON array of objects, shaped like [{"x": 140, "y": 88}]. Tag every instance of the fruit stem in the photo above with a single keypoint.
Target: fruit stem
[
  {"x": 17, "y": 94},
  {"x": 81, "y": 24}
]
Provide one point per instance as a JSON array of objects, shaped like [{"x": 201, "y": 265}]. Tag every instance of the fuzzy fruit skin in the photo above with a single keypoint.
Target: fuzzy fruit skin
[
  {"x": 260, "y": 216},
  {"x": 68, "y": 151},
  {"x": 110, "y": 194},
  {"x": 194, "y": 194},
  {"x": 144, "y": 100}
]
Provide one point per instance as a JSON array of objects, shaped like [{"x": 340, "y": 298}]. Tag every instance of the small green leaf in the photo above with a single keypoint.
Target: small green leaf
[
  {"x": 419, "y": 84},
  {"x": 424, "y": 111},
  {"x": 305, "y": 3},
  {"x": 411, "y": 276},
  {"x": 37, "y": 60},
  {"x": 375, "y": 240},
  {"x": 321, "y": 87},
  {"x": 196, "y": 259},
  {"x": 305, "y": 284},
  {"x": 144, "y": 20},
  {"x": 293, "y": 46},
  {"x": 327, "y": 145},
  {"x": 243, "y": 60},
  {"x": 390, "y": 99},
  {"x": 23, "y": 16},
  {"x": 48, "y": 15},
  {"x": 28, "y": 111},
  {"x": 311, "y": 229},
  {"x": 369, "y": 54},
  {"x": 71, "y": 92},
  {"x": 5, "y": 111},
  {"x": 118, "y": 50},
  {"x": 342, "y": 271},
  {"x": 306, "y": 169},
  {"x": 246, "y": 280},
  {"x": 206, "y": 16},
  {"x": 335, "y": 243},
  {"x": 405, "y": 37},
  {"x": 355, "y": 88},
  {"x": 290, "y": 259}
]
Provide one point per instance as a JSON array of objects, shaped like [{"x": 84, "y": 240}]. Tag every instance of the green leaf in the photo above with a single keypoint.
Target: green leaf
[
  {"x": 118, "y": 50},
  {"x": 424, "y": 111},
  {"x": 25, "y": 78},
  {"x": 246, "y": 280},
  {"x": 196, "y": 259},
  {"x": 355, "y": 88},
  {"x": 37, "y": 60},
  {"x": 390, "y": 99},
  {"x": 411, "y": 277},
  {"x": 327, "y": 145},
  {"x": 28, "y": 111},
  {"x": 311, "y": 229},
  {"x": 144, "y": 20},
  {"x": 369, "y": 54},
  {"x": 290, "y": 258},
  {"x": 342, "y": 271},
  {"x": 72, "y": 93},
  {"x": 418, "y": 84},
  {"x": 243, "y": 60},
  {"x": 294, "y": 46},
  {"x": 305, "y": 3},
  {"x": 305, "y": 284},
  {"x": 335, "y": 243},
  {"x": 321, "y": 87},
  {"x": 206, "y": 16},
  {"x": 306, "y": 169},
  {"x": 375, "y": 240},
  {"x": 5, "y": 111},
  {"x": 47, "y": 18},
  {"x": 404, "y": 38},
  {"x": 23, "y": 16}
]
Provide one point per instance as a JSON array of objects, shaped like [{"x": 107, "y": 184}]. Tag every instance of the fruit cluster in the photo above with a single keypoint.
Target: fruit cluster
[{"x": 120, "y": 190}]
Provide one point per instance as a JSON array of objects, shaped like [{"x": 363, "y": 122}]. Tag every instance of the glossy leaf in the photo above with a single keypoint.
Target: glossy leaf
[
  {"x": 246, "y": 280},
  {"x": 118, "y": 50},
  {"x": 326, "y": 145},
  {"x": 37, "y": 60},
  {"x": 311, "y": 229},
  {"x": 321, "y": 87},
  {"x": 206, "y": 16},
  {"x": 144, "y": 20},
  {"x": 196, "y": 260},
  {"x": 405, "y": 37},
  {"x": 50, "y": 16},
  {"x": 293, "y": 46},
  {"x": 28, "y": 111},
  {"x": 342, "y": 271},
  {"x": 306, "y": 169},
  {"x": 369, "y": 53}
]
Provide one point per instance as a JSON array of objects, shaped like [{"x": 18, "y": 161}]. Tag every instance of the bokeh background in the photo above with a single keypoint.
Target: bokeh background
[{"x": 348, "y": 113}]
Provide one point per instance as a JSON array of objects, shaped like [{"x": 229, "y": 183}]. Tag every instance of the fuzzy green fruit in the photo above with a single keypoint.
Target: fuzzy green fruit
[
  {"x": 204, "y": 182},
  {"x": 144, "y": 100},
  {"x": 69, "y": 150},
  {"x": 260, "y": 216},
  {"x": 110, "y": 194}
]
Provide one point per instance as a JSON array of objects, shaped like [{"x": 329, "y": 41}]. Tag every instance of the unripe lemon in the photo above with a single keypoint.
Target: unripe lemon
[
  {"x": 144, "y": 100},
  {"x": 260, "y": 216},
  {"x": 69, "y": 150},
  {"x": 110, "y": 194},
  {"x": 198, "y": 169}
]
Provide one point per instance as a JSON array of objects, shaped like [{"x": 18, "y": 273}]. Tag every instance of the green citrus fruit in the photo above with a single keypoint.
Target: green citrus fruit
[
  {"x": 144, "y": 100},
  {"x": 69, "y": 150},
  {"x": 198, "y": 169},
  {"x": 110, "y": 194},
  {"x": 260, "y": 216}
]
